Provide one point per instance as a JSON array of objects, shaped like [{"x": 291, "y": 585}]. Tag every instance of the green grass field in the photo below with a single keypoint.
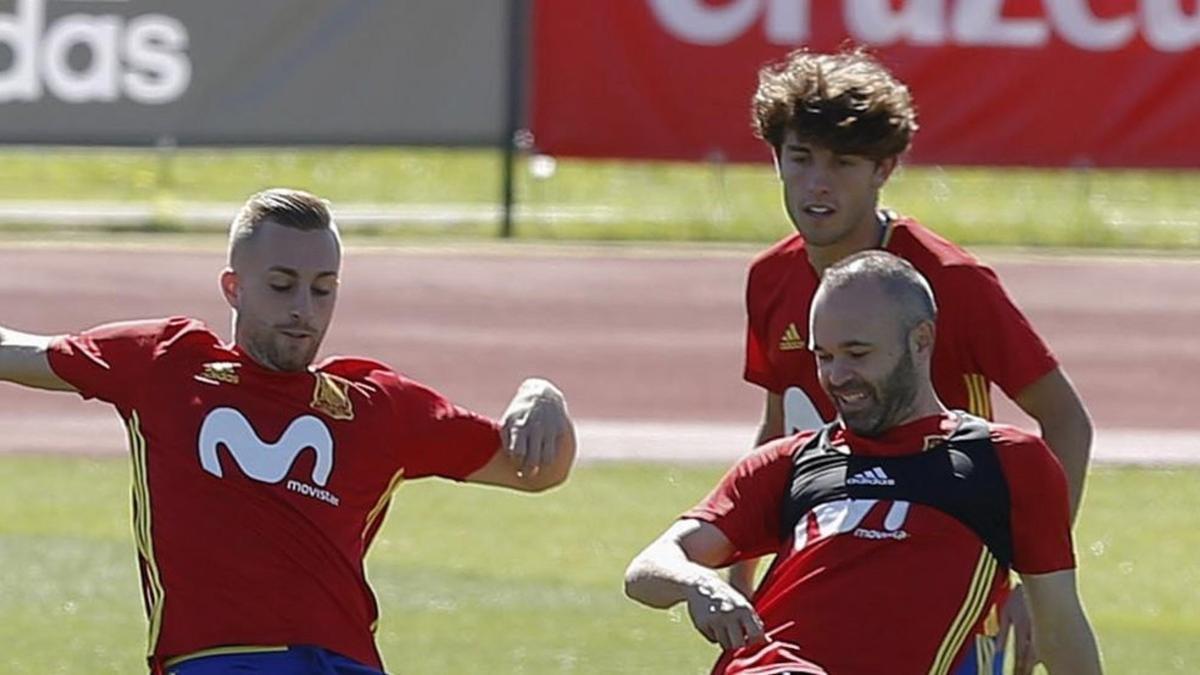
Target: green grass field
[
  {"x": 476, "y": 580},
  {"x": 627, "y": 200}
]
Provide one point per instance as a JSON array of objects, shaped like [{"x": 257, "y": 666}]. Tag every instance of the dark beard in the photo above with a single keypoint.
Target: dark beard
[{"x": 895, "y": 396}]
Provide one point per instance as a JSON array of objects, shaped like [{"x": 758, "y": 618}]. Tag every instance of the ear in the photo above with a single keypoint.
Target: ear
[
  {"x": 883, "y": 170},
  {"x": 921, "y": 339},
  {"x": 777, "y": 160},
  {"x": 231, "y": 287}
]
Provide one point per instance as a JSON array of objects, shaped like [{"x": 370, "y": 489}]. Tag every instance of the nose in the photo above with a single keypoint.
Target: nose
[
  {"x": 818, "y": 181},
  {"x": 837, "y": 372},
  {"x": 301, "y": 307}
]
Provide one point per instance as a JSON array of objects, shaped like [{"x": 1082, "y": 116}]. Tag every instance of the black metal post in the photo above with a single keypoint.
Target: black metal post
[{"x": 518, "y": 44}]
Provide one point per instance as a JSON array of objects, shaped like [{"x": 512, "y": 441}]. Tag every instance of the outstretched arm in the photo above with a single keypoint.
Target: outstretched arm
[
  {"x": 677, "y": 567},
  {"x": 537, "y": 441},
  {"x": 23, "y": 361}
]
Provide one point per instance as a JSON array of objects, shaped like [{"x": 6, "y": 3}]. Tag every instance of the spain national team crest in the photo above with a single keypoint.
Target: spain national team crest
[
  {"x": 331, "y": 395},
  {"x": 219, "y": 372}
]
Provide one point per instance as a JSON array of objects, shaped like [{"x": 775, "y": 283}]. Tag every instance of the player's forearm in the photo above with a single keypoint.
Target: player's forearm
[
  {"x": 662, "y": 576},
  {"x": 1068, "y": 647},
  {"x": 1062, "y": 633},
  {"x": 768, "y": 430},
  {"x": 771, "y": 426},
  {"x": 23, "y": 361}
]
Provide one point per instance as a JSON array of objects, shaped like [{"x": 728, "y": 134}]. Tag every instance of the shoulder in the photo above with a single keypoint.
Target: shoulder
[
  {"x": 775, "y": 454},
  {"x": 778, "y": 257},
  {"x": 158, "y": 335},
  {"x": 927, "y": 250},
  {"x": 948, "y": 266},
  {"x": 358, "y": 368},
  {"x": 1024, "y": 456},
  {"x": 404, "y": 393},
  {"x": 177, "y": 330}
]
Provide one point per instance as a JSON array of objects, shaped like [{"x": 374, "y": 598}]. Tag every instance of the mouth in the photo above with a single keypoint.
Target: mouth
[
  {"x": 296, "y": 333},
  {"x": 853, "y": 400},
  {"x": 818, "y": 210}
]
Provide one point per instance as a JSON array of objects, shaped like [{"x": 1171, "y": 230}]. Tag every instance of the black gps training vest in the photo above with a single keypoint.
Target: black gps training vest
[{"x": 960, "y": 476}]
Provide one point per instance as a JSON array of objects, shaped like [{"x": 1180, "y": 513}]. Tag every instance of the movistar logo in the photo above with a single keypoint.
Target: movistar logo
[{"x": 268, "y": 462}]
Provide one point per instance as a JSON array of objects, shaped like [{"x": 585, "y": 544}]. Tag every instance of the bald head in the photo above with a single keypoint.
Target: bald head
[{"x": 910, "y": 298}]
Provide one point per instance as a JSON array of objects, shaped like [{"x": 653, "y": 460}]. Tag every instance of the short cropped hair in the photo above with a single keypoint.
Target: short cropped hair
[
  {"x": 284, "y": 206},
  {"x": 847, "y": 102},
  {"x": 902, "y": 282}
]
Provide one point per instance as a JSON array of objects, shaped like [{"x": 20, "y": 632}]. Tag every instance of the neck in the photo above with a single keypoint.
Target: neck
[
  {"x": 926, "y": 404},
  {"x": 248, "y": 348},
  {"x": 867, "y": 234},
  {"x": 256, "y": 356}
]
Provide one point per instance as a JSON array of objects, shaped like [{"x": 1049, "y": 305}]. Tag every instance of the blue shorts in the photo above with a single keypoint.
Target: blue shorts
[
  {"x": 984, "y": 657},
  {"x": 299, "y": 660}
]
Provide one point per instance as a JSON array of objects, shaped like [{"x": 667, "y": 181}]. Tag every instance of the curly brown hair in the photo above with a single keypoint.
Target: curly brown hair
[{"x": 847, "y": 102}]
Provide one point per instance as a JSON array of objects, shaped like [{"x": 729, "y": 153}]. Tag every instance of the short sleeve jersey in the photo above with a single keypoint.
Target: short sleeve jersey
[
  {"x": 881, "y": 586},
  {"x": 981, "y": 335},
  {"x": 256, "y": 492}
]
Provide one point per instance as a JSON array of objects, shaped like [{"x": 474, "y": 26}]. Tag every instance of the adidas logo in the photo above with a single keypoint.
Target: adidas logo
[
  {"x": 874, "y": 476},
  {"x": 791, "y": 339}
]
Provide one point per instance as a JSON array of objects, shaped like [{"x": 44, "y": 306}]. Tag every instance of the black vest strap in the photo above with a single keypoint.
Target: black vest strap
[{"x": 961, "y": 476}]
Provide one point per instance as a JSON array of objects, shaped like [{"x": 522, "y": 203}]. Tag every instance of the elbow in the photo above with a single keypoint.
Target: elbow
[
  {"x": 638, "y": 584},
  {"x": 1084, "y": 431},
  {"x": 1082, "y": 419},
  {"x": 1067, "y": 427},
  {"x": 632, "y": 579}
]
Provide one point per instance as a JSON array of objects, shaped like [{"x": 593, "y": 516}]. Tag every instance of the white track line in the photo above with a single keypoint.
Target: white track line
[
  {"x": 98, "y": 431},
  {"x": 724, "y": 443}
]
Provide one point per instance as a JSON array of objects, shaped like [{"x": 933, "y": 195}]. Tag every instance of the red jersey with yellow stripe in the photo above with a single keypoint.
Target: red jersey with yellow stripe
[
  {"x": 256, "y": 492},
  {"x": 879, "y": 585},
  {"x": 981, "y": 335}
]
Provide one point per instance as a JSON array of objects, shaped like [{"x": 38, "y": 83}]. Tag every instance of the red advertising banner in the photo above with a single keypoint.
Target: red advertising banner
[{"x": 996, "y": 82}]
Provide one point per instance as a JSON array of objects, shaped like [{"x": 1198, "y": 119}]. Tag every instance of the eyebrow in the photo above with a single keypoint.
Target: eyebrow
[
  {"x": 847, "y": 344},
  {"x": 293, "y": 273}
]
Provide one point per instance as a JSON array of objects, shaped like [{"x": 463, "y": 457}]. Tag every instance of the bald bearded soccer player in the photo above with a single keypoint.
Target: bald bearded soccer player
[
  {"x": 894, "y": 527},
  {"x": 261, "y": 477}
]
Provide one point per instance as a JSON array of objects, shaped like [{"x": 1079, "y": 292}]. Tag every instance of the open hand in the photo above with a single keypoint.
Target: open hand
[{"x": 724, "y": 616}]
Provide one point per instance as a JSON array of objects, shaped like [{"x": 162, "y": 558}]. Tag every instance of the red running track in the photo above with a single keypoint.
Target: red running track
[{"x": 634, "y": 335}]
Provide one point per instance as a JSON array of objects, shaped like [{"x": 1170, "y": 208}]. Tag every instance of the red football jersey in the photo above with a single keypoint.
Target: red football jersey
[
  {"x": 256, "y": 492},
  {"x": 881, "y": 586},
  {"x": 981, "y": 335}
]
